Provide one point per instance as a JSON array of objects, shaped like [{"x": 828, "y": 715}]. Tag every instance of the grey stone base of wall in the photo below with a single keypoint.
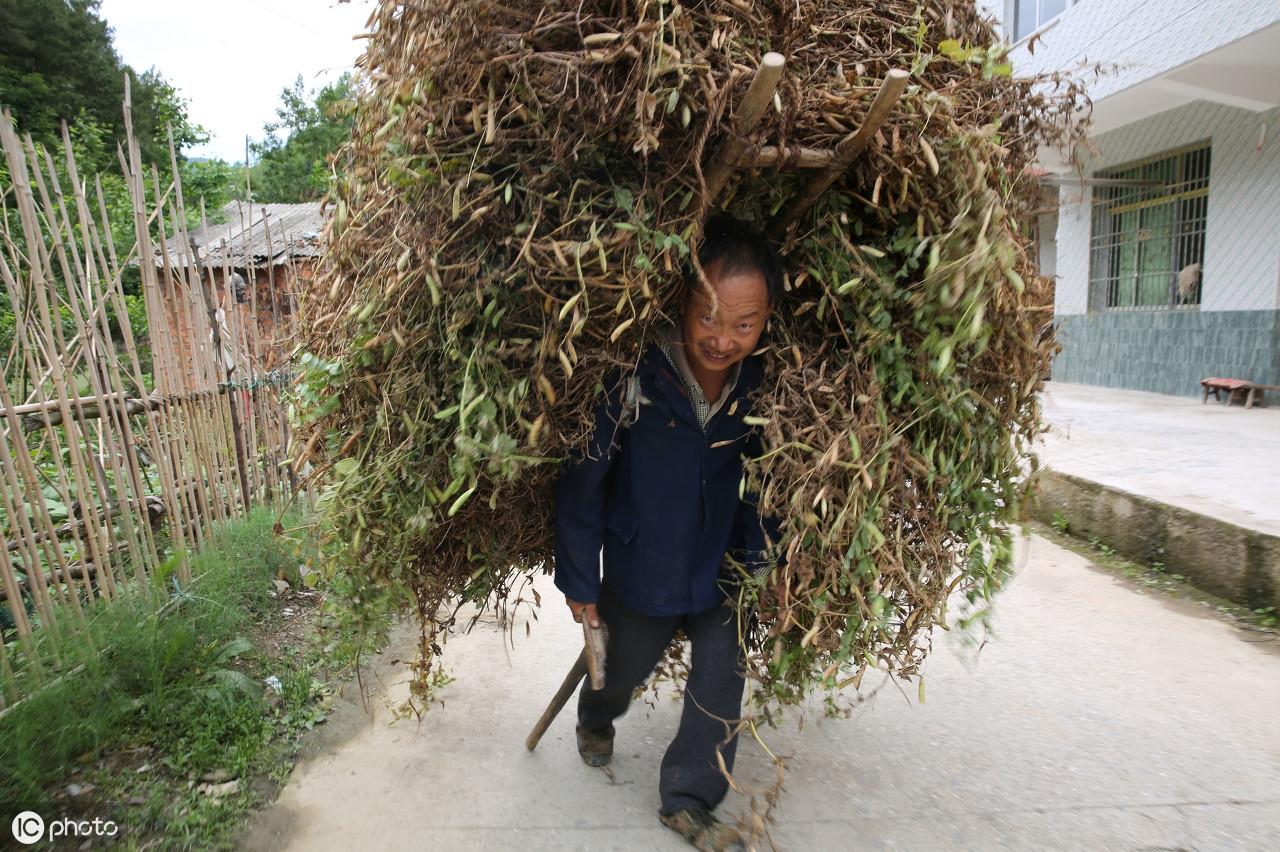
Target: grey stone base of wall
[
  {"x": 1167, "y": 351},
  {"x": 1232, "y": 562}
]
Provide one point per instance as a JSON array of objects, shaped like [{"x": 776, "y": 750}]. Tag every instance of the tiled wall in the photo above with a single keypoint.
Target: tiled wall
[
  {"x": 1167, "y": 351},
  {"x": 1235, "y": 331},
  {"x": 1138, "y": 39}
]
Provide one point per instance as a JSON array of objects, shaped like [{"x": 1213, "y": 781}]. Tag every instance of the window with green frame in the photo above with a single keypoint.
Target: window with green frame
[{"x": 1147, "y": 241}]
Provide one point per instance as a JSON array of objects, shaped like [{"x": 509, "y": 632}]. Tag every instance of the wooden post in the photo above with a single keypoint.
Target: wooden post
[
  {"x": 754, "y": 103},
  {"x": 846, "y": 152}
]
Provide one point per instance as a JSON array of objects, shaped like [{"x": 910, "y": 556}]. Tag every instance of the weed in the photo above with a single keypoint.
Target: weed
[
  {"x": 1060, "y": 523},
  {"x": 1098, "y": 545},
  {"x": 174, "y": 678}
]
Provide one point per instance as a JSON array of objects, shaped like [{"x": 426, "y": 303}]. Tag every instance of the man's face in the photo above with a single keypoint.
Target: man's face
[{"x": 717, "y": 339}]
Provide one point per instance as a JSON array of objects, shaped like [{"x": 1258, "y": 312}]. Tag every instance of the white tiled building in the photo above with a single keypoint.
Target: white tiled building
[{"x": 1166, "y": 244}]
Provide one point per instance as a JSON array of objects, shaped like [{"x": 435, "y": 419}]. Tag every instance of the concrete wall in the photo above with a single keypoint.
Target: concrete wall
[
  {"x": 1235, "y": 332},
  {"x": 1232, "y": 562},
  {"x": 1242, "y": 241},
  {"x": 1142, "y": 38}
]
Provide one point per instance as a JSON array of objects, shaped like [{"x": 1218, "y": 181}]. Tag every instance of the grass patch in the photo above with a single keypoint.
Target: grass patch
[{"x": 170, "y": 717}]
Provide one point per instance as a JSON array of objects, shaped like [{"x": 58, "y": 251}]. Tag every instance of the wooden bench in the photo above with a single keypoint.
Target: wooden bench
[{"x": 1252, "y": 391}]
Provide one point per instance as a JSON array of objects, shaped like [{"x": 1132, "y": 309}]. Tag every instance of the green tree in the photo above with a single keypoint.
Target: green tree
[
  {"x": 293, "y": 159},
  {"x": 57, "y": 63}
]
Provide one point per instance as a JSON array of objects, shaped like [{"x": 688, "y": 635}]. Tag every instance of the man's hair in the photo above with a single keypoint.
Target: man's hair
[{"x": 740, "y": 249}]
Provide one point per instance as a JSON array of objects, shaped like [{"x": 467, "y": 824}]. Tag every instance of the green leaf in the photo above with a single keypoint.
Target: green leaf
[
  {"x": 231, "y": 650},
  {"x": 230, "y": 680}
]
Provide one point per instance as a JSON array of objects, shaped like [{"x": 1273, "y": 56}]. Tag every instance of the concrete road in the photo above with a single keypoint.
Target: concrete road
[
  {"x": 1098, "y": 719},
  {"x": 1212, "y": 459}
]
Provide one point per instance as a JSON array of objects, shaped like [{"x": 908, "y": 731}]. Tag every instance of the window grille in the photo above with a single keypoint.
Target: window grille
[{"x": 1147, "y": 242}]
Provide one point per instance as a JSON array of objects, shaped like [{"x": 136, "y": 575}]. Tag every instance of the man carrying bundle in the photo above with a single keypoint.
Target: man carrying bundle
[{"x": 659, "y": 492}]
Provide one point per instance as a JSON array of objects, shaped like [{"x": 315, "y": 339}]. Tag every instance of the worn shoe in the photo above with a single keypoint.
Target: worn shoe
[
  {"x": 703, "y": 830},
  {"x": 595, "y": 747}
]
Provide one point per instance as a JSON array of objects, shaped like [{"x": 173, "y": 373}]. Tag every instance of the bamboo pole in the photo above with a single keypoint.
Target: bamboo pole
[
  {"x": 41, "y": 284},
  {"x": 19, "y": 614},
  {"x": 78, "y": 441},
  {"x": 800, "y": 158},
  {"x": 152, "y": 425},
  {"x": 52, "y": 405},
  {"x": 191, "y": 343},
  {"x": 219, "y": 413},
  {"x": 147, "y": 268},
  {"x": 197, "y": 365},
  {"x": 210, "y": 438},
  {"x": 848, "y": 150},
  {"x": 252, "y": 346},
  {"x": 86, "y": 303},
  {"x": 249, "y": 353},
  {"x": 754, "y": 102},
  {"x": 30, "y": 486},
  {"x": 277, "y": 434},
  {"x": 90, "y": 410},
  {"x": 282, "y": 331},
  {"x": 240, "y": 378},
  {"x": 178, "y": 355},
  {"x": 94, "y": 330},
  {"x": 79, "y": 570},
  {"x": 196, "y": 267},
  {"x": 237, "y": 428},
  {"x": 266, "y": 402}
]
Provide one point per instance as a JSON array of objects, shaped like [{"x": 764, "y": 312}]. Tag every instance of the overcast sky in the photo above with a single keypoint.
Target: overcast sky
[{"x": 231, "y": 58}]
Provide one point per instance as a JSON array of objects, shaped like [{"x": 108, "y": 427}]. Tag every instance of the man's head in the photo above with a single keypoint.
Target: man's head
[{"x": 746, "y": 275}]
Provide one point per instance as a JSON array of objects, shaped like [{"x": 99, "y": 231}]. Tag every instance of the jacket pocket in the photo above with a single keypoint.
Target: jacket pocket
[{"x": 622, "y": 524}]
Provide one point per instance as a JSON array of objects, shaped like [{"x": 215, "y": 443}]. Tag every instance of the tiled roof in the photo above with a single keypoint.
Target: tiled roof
[{"x": 255, "y": 233}]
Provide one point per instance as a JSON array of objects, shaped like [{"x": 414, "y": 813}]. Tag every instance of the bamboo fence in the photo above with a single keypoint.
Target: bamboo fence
[{"x": 114, "y": 470}]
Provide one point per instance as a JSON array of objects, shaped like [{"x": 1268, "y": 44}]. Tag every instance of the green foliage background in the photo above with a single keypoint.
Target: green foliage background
[{"x": 293, "y": 159}]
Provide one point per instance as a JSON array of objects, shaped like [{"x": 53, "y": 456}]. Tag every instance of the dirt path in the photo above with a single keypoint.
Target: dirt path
[{"x": 1098, "y": 719}]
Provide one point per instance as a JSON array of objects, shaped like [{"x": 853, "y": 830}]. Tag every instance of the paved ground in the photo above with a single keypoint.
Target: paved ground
[
  {"x": 1098, "y": 719},
  {"x": 1212, "y": 459}
]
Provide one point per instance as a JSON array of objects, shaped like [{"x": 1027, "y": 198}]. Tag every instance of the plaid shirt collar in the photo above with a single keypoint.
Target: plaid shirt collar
[{"x": 671, "y": 342}]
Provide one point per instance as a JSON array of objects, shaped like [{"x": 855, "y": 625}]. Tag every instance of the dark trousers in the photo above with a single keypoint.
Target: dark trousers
[{"x": 691, "y": 776}]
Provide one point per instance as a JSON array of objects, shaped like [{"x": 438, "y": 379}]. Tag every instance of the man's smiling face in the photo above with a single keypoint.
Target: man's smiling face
[{"x": 716, "y": 339}]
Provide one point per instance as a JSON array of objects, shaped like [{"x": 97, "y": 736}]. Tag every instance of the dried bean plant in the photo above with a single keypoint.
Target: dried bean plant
[{"x": 526, "y": 185}]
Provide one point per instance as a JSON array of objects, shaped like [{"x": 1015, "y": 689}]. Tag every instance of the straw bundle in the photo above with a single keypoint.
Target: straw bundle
[{"x": 526, "y": 182}]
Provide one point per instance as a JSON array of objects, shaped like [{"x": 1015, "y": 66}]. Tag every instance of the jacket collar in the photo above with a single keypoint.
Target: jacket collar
[{"x": 655, "y": 366}]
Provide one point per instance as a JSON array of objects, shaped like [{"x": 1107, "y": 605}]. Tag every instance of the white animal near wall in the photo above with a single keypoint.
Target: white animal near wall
[{"x": 1188, "y": 283}]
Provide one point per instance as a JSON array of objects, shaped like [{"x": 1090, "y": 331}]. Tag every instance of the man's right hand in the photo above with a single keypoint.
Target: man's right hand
[{"x": 581, "y": 609}]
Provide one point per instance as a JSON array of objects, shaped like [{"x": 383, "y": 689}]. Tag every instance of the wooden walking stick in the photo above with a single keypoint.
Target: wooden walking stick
[{"x": 590, "y": 661}]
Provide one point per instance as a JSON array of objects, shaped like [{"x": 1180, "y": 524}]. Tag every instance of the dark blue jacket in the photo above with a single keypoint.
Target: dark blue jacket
[{"x": 660, "y": 495}]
